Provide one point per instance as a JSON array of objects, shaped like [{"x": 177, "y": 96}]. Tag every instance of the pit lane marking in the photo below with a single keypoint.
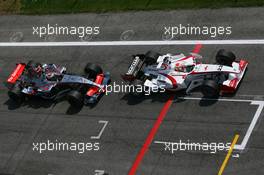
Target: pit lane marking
[
  {"x": 215, "y": 99},
  {"x": 151, "y": 136},
  {"x": 228, "y": 155},
  {"x": 102, "y": 130},
  {"x": 257, "y": 115},
  {"x": 252, "y": 125},
  {"x": 134, "y": 43}
]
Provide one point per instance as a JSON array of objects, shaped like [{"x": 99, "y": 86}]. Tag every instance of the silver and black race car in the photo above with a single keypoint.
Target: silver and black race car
[{"x": 50, "y": 81}]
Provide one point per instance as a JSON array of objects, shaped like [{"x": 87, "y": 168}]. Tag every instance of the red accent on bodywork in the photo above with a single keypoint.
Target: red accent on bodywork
[
  {"x": 242, "y": 64},
  {"x": 128, "y": 77},
  {"x": 227, "y": 89},
  {"x": 165, "y": 66},
  {"x": 233, "y": 83},
  {"x": 231, "y": 88},
  {"x": 193, "y": 72},
  {"x": 93, "y": 90},
  {"x": 185, "y": 58},
  {"x": 16, "y": 73},
  {"x": 197, "y": 48},
  {"x": 173, "y": 81}
]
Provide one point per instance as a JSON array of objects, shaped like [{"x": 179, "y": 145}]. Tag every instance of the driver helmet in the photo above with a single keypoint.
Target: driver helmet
[
  {"x": 34, "y": 69},
  {"x": 179, "y": 67}
]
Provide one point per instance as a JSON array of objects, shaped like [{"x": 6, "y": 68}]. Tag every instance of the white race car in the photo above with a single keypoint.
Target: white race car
[{"x": 178, "y": 72}]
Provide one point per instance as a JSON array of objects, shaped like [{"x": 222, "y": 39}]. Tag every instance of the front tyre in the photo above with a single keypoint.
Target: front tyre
[
  {"x": 224, "y": 57},
  {"x": 151, "y": 57},
  {"x": 210, "y": 89},
  {"x": 75, "y": 98},
  {"x": 92, "y": 70}
]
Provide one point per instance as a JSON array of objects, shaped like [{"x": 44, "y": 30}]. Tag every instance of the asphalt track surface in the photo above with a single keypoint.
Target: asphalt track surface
[{"x": 130, "y": 119}]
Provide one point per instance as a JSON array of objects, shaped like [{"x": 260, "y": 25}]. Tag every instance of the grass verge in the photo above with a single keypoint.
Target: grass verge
[{"x": 79, "y": 6}]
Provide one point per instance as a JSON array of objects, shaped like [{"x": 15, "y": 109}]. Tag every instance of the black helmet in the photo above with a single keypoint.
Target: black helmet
[{"x": 34, "y": 69}]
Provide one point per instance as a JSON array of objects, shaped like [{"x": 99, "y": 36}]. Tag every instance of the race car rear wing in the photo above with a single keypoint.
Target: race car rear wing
[
  {"x": 18, "y": 71},
  {"x": 134, "y": 68}
]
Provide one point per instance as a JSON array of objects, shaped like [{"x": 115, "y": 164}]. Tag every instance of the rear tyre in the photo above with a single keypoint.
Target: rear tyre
[
  {"x": 16, "y": 95},
  {"x": 75, "y": 98},
  {"x": 224, "y": 57},
  {"x": 92, "y": 70},
  {"x": 210, "y": 89},
  {"x": 151, "y": 57}
]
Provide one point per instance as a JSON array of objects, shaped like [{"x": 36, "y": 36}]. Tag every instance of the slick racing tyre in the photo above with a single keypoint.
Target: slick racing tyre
[
  {"x": 16, "y": 95},
  {"x": 210, "y": 89},
  {"x": 92, "y": 70},
  {"x": 75, "y": 98},
  {"x": 224, "y": 57},
  {"x": 151, "y": 57}
]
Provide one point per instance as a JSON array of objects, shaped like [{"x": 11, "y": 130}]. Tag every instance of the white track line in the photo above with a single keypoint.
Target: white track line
[
  {"x": 253, "y": 123},
  {"x": 131, "y": 43},
  {"x": 215, "y": 99},
  {"x": 102, "y": 130}
]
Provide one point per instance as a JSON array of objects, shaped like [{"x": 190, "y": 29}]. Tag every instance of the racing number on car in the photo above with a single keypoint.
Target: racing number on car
[{"x": 220, "y": 67}]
